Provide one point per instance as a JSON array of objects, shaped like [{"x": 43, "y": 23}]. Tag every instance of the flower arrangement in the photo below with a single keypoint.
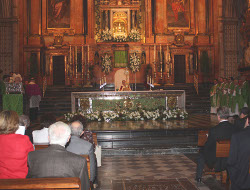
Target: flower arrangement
[
  {"x": 120, "y": 39},
  {"x": 106, "y": 35},
  {"x": 135, "y": 63},
  {"x": 134, "y": 35},
  {"x": 138, "y": 115},
  {"x": 106, "y": 64}
]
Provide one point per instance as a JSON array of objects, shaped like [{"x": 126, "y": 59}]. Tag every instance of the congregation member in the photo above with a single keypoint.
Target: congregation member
[
  {"x": 34, "y": 94},
  {"x": 239, "y": 123},
  {"x": 56, "y": 161},
  {"x": 82, "y": 147},
  {"x": 222, "y": 131},
  {"x": 24, "y": 123},
  {"x": 238, "y": 160},
  {"x": 87, "y": 134},
  {"x": 14, "y": 148},
  {"x": 41, "y": 136}
]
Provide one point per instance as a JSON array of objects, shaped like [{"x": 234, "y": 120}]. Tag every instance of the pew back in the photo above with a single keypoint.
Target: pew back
[
  {"x": 202, "y": 137},
  {"x": 222, "y": 148},
  {"x": 72, "y": 183}
]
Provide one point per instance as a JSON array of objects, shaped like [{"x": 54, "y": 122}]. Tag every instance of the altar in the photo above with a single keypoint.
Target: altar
[{"x": 129, "y": 100}]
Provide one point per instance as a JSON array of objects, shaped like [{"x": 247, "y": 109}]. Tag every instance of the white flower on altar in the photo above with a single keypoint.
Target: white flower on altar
[
  {"x": 106, "y": 35},
  {"x": 134, "y": 35}
]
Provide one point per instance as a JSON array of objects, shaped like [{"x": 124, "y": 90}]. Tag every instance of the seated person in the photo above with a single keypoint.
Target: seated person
[
  {"x": 125, "y": 86},
  {"x": 24, "y": 123},
  {"x": 87, "y": 134},
  {"x": 240, "y": 122},
  {"x": 238, "y": 160},
  {"x": 82, "y": 147},
  {"x": 222, "y": 131},
  {"x": 14, "y": 147},
  {"x": 41, "y": 136},
  {"x": 55, "y": 161}
]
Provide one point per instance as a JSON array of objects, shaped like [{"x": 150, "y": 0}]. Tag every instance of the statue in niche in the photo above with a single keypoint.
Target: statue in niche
[{"x": 119, "y": 29}]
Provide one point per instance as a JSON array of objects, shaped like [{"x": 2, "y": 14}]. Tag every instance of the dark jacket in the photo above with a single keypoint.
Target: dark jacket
[
  {"x": 238, "y": 160},
  {"x": 222, "y": 131},
  {"x": 239, "y": 124},
  {"x": 82, "y": 147},
  {"x": 55, "y": 161}
]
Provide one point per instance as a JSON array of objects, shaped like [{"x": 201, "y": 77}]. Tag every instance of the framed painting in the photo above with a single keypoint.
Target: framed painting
[
  {"x": 178, "y": 14},
  {"x": 58, "y": 13}
]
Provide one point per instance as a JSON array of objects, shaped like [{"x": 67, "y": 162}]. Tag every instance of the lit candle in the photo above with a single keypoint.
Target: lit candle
[{"x": 160, "y": 52}]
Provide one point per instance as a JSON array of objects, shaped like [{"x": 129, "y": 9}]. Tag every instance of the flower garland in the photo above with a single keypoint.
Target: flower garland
[
  {"x": 138, "y": 115},
  {"x": 134, "y": 35},
  {"x": 135, "y": 63},
  {"x": 106, "y": 35},
  {"x": 106, "y": 64},
  {"x": 120, "y": 39}
]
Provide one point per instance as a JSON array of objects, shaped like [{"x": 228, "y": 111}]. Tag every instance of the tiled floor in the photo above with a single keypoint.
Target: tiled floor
[{"x": 155, "y": 167}]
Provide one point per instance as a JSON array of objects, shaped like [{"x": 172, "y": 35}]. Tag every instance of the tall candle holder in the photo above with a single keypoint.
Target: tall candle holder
[
  {"x": 103, "y": 82},
  {"x": 150, "y": 82}
]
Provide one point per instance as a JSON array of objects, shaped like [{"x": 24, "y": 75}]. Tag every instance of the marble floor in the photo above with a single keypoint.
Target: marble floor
[{"x": 154, "y": 167}]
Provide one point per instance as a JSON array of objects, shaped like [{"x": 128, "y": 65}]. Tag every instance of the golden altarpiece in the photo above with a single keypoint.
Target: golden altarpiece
[{"x": 68, "y": 40}]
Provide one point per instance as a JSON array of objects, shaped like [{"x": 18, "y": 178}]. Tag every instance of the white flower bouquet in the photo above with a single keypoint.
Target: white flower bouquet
[
  {"x": 120, "y": 39},
  {"x": 135, "y": 63},
  {"x": 134, "y": 35},
  {"x": 106, "y": 64},
  {"x": 106, "y": 35}
]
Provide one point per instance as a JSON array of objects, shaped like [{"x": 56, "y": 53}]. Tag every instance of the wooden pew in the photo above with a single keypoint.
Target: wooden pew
[
  {"x": 202, "y": 137},
  {"x": 72, "y": 183},
  {"x": 95, "y": 138},
  {"x": 88, "y": 163},
  {"x": 222, "y": 148}
]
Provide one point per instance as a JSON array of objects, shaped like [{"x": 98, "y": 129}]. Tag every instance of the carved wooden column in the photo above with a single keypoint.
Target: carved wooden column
[
  {"x": 133, "y": 19},
  {"x": 148, "y": 21},
  {"x": 106, "y": 19},
  {"x": 202, "y": 16},
  {"x": 159, "y": 16}
]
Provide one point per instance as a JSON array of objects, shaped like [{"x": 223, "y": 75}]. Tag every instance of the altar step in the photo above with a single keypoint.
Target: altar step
[
  {"x": 147, "y": 142},
  {"x": 57, "y": 98}
]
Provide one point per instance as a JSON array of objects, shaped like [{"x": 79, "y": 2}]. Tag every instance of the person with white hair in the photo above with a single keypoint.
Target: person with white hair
[{"x": 55, "y": 161}]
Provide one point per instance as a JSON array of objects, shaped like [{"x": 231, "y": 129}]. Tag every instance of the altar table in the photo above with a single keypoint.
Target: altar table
[{"x": 114, "y": 100}]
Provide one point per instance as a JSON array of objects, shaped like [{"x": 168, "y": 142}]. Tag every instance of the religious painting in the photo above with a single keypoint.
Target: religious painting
[
  {"x": 120, "y": 22},
  {"x": 58, "y": 13},
  {"x": 178, "y": 13}
]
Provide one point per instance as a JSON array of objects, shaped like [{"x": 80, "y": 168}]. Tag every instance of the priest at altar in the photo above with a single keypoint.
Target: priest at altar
[{"x": 125, "y": 86}]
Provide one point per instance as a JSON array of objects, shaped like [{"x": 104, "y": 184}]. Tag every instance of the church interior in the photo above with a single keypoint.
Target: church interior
[{"x": 143, "y": 73}]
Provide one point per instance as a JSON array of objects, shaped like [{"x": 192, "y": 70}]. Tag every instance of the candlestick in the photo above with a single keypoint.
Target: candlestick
[
  {"x": 70, "y": 54},
  {"x": 150, "y": 80},
  {"x": 76, "y": 59},
  {"x": 160, "y": 52},
  {"x": 88, "y": 53},
  {"x": 82, "y": 63},
  {"x": 100, "y": 82},
  {"x": 105, "y": 79},
  {"x": 154, "y": 52}
]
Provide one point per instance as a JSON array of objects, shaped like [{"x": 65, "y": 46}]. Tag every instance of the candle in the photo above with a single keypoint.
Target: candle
[
  {"x": 70, "y": 54},
  {"x": 150, "y": 79},
  {"x": 154, "y": 52},
  {"x": 88, "y": 53},
  {"x": 100, "y": 82},
  {"x": 105, "y": 79},
  {"x": 160, "y": 52},
  {"x": 76, "y": 60},
  {"x": 82, "y": 62}
]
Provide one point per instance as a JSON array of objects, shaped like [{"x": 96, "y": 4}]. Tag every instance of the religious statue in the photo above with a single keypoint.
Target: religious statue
[{"x": 125, "y": 86}]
